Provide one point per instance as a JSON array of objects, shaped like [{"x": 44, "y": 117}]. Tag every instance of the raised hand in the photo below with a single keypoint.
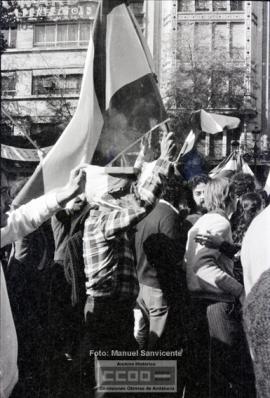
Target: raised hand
[{"x": 167, "y": 146}]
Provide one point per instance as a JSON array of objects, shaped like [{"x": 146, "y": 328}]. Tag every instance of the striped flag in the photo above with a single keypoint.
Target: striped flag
[
  {"x": 211, "y": 123},
  {"x": 228, "y": 166},
  {"x": 234, "y": 163},
  {"x": 119, "y": 101}
]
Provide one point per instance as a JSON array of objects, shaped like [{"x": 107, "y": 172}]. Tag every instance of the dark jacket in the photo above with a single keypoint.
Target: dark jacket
[{"x": 159, "y": 247}]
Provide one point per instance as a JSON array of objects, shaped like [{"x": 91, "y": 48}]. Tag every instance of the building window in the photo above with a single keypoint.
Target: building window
[
  {"x": 219, "y": 5},
  {"x": 237, "y": 88},
  {"x": 237, "y": 41},
  {"x": 62, "y": 35},
  {"x": 237, "y": 5},
  {"x": 137, "y": 8},
  {"x": 220, "y": 89},
  {"x": 185, "y": 6},
  {"x": 53, "y": 84},
  {"x": 220, "y": 38},
  {"x": 10, "y": 35},
  {"x": 202, "y": 5},
  {"x": 185, "y": 42},
  {"x": 8, "y": 82},
  {"x": 202, "y": 37}
]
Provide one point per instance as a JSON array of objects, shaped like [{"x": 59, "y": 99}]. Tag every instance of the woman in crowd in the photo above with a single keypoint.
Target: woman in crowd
[{"x": 214, "y": 293}]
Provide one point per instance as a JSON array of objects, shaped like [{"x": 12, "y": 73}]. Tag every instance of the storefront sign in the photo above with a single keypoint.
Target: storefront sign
[{"x": 57, "y": 10}]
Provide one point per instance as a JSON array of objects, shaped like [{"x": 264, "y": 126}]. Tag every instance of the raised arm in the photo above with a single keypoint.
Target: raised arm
[
  {"x": 148, "y": 192},
  {"x": 30, "y": 216}
]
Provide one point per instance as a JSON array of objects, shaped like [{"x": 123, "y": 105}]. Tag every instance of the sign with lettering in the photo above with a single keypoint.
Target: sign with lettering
[{"x": 56, "y": 10}]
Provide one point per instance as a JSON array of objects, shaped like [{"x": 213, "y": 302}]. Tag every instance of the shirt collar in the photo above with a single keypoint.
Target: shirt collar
[{"x": 169, "y": 204}]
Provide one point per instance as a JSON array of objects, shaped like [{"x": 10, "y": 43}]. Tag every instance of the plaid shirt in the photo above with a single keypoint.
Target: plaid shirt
[{"x": 107, "y": 247}]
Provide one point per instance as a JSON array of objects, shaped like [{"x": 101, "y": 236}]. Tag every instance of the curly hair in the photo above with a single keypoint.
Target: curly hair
[
  {"x": 243, "y": 183},
  {"x": 199, "y": 179},
  {"x": 172, "y": 190},
  {"x": 251, "y": 203}
]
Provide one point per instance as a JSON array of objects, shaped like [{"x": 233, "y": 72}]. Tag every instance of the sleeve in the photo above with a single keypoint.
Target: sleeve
[
  {"x": 207, "y": 268},
  {"x": 150, "y": 190},
  {"x": 229, "y": 249},
  {"x": 28, "y": 217},
  {"x": 119, "y": 221},
  {"x": 61, "y": 224},
  {"x": 208, "y": 271}
]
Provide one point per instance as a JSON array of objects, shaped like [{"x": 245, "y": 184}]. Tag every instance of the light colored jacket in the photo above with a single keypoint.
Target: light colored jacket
[{"x": 209, "y": 272}]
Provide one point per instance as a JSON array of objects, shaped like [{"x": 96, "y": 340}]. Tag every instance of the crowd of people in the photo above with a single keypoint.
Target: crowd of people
[{"x": 155, "y": 263}]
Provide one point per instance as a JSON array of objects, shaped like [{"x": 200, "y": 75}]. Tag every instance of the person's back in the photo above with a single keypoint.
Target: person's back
[
  {"x": 157, "y": 244},
  {"x": 200, "y": 270},
  {"x": 256, "y": 316},
  {"x": 159, "y": 250}
]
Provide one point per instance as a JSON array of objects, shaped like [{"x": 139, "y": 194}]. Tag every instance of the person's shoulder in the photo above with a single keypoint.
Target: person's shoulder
[
  {"x": 259, "y": 227},
  {"x": 193, "y": 218},
  {"x": 214, "y": 222}
]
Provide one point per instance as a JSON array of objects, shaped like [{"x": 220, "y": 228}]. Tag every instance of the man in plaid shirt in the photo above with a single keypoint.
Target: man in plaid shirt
[{"x": 112, "y": 285}]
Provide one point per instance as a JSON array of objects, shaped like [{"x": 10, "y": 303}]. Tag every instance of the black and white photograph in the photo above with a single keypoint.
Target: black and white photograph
[{"x": 135, "y": 199}]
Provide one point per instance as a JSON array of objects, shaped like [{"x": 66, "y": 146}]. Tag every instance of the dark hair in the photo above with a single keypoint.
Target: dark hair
[
  {"x": 243, "y": 183},
  {"x": 199, "y": 179},
  {"x": 172, "y": 191},
  {"x": 251, "y": 202},
  {"x": 179, "y": 195},
  {"x": 264, "y": 197}
]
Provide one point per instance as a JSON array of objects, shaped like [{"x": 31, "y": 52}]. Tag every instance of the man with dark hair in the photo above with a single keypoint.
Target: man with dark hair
[
  {"x": 159, "y": 249},
  {"x": 197, "y": 185}
]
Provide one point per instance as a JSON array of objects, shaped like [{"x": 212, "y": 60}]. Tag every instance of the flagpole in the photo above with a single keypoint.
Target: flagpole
[{"x": 138, "y": 140}]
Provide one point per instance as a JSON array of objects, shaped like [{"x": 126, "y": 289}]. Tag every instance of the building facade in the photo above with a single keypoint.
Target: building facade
[
  {"x": 43, "y": 65},
  {"x": 239, "y": 29}
]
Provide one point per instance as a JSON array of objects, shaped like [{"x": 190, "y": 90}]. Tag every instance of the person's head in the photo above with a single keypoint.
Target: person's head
[
  {"x": 172, "y": 191},
  {"x": 5, "y": 198},
  {"x": 106, "y": 189},
  {"x": 186, "y": 204},
  {"x": 197, "y": 185},
  {"x": 219, "y": 195},
  {"x": 243, "y": 183},
  {"x": 251, "y": 204},
  {"x": 264, "y": 197}
]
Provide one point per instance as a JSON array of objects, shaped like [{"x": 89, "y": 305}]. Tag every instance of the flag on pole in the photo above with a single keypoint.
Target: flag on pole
[
  {"x": 234, "y": 163},
  {"x": 228, "y": 166},
  {"x": 267, "y": 184},
  {"x": 211, "y": 123},
  {"x": 119, "y": 101}
]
